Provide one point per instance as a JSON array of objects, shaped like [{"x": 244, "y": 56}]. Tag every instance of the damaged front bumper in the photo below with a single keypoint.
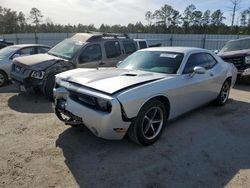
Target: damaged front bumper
[{"x": 107, "y": 125}]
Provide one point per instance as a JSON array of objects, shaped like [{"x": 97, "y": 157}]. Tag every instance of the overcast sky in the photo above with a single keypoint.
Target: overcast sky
[{"x": 110, "y": 11}]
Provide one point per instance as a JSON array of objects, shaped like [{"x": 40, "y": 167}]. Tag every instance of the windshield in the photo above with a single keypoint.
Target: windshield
[
  {"x": 153, "y": 61},
  {"x": 236, "y": 45},
  {"x": 66, "y": 49},
  {"x": 7, "y": 52}
]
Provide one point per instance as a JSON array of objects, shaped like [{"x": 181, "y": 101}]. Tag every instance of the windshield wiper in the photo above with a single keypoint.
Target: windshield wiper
[
  {"x": 53, "y": 54},
  {"x": 57, "y": 55}
]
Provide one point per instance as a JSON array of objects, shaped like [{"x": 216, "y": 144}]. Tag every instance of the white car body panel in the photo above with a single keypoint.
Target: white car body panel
[
  {"x": 98, "y": 79},
  {"x": 127, "y": 93}
]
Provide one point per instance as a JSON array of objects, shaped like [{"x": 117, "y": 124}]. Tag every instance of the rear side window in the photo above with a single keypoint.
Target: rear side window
[
  {"x": 142, "y": 44},
  {"x": 112, "y": 49},
  {"x": 41, "y": 50},
  {"x": 91, "y": 53},
  {"x": 210, "y": 61},
  {"x": 200, "y": 59},
  {"x": 129, "y": 47},
  {"x": 26, "y": 51}
]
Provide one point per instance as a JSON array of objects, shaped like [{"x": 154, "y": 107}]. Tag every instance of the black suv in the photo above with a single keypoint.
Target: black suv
[
  {"x": 238, "y": 53},
  {"x": 83, "y": 50},
  {"x": 4, "y": 43}
]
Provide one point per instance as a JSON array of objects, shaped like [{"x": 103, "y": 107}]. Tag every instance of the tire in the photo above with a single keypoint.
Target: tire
[
  {"x": 3, "y": 78},
  {"x": 247, "y": 79},
  {"x": 142, "y": 130},
  {"x": 48, "y": 86},
  {"x": 224, "y": 94}
]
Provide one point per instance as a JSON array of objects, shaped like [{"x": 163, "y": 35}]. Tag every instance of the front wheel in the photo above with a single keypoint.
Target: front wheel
[
  {"x": 224, "y": 94},
  {"x": 3, "y": 78},
  {"x": 48, "y": 86},
  {"x": 147, "y": 127}
]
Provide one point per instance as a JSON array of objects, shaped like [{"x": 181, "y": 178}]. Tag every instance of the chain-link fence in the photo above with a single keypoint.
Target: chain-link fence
[{"x": 212, "y": 42}]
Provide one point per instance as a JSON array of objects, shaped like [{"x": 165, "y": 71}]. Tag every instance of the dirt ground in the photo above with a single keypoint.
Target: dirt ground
[{"x": 209, "y": 147}]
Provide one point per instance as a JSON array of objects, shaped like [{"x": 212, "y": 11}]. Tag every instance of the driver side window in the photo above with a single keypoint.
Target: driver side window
[
  {"x": 91, "y": 53},
  {"x": 26, "y": 51}
]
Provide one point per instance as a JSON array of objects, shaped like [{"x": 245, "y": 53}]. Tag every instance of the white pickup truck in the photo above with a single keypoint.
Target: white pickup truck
[{"x": 141, "y": 43}]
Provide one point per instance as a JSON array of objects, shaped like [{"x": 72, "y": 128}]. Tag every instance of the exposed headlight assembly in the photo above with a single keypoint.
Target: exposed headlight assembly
[
  {"x": 37, "y": 74},
  {"x": 247, "y": 59},
  {"x": 104, "y": 105}
]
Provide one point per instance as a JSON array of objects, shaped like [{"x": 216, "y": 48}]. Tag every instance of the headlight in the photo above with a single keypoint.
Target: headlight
[
  {"x": 247, "y": 59},
  {"x": 104, "y": 105},
  {"x": 38, "y": 74}
]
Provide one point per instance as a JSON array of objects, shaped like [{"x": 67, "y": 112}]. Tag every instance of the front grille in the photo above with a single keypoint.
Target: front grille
[
  {"x": 237, "y": 61},
  {"x": 18, "y": 69}
]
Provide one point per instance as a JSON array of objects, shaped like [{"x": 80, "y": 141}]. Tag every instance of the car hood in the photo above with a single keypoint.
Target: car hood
[
  {"x": 38, "y": 61},
  {"x": 109, "y": 80},
  {"x": 234, "y": 53}
]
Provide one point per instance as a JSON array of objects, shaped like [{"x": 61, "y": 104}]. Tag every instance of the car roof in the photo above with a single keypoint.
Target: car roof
[
  {"x": 96, "y": 36},
  {"x": 176, "y": 49},
  {"x": 140, "y": 40},
  {"x": 28, "y": 45}
]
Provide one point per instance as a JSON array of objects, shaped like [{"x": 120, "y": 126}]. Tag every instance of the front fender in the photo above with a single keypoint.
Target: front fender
[
  {"x": 133, "y": 99},
  {"x": 58, "y": 67}
]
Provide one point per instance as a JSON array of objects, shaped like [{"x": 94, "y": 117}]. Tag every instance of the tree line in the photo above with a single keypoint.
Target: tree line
[{"x": 164, "y": 20}]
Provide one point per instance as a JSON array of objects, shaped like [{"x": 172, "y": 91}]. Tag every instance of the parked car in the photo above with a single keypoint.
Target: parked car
[
  {"x": 4, "y": 43},
  {"x": 238, "y": 53},
  {"x": 83, "y": 50},
  {"x": 7, "y": 55},
  {"x": 147, "y": 89}
]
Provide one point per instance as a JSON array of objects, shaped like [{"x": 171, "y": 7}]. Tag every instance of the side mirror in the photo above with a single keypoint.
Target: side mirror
[
  {"x": 199, "y": 70},
  {"x": 15, "y": 56},
  {"x": 118, "y": 63},
  {"x": 216, "y": 51}
]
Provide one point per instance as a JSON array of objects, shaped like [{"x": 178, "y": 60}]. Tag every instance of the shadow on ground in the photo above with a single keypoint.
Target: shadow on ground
[
  {"x": 30, "y": 103},
  {"x": 8, "y": 88},
  {"x": 26, "y": 102},
  {"x": 242, "y": 84},
  {"x": 205, "y": 148}
]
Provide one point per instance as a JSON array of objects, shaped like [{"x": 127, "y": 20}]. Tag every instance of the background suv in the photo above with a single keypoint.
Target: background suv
[
  {"x": 238, "y": 53},
  {"x": 83, "y": 50}
]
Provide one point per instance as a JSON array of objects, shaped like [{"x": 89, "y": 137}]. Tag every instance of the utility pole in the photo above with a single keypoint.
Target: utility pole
[{"x": 235, "y": 7}]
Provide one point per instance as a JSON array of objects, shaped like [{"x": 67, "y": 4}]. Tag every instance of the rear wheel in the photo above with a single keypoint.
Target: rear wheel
[
  {"x": 3, "y": 78},
  {"x": 147, "y": 127},
  {"x": 224, "y": 94}
]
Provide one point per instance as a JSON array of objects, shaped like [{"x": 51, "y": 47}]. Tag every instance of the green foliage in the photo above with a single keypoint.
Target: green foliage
[
  {"x": 164, "y": 20},
  {"x": 35, "y": 16}
]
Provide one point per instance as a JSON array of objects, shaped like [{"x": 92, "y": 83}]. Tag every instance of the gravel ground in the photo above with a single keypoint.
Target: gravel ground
[{"x": 209, "y": 147}]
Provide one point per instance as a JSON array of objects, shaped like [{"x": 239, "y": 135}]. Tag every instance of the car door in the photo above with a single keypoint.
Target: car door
[
  {"x": 90, "y": 57},
  {"x": 113, "y": 53},
  {"x": 195, "y": 89},
  {"x": 129, "y": 47}
]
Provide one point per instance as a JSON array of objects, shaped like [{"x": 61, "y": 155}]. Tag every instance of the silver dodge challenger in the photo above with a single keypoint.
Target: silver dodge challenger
[{"x": 146, "y": 90}]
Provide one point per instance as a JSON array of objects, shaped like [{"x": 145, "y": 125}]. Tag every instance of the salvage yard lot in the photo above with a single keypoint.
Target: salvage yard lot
[{"x": 209, "y": 147}]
